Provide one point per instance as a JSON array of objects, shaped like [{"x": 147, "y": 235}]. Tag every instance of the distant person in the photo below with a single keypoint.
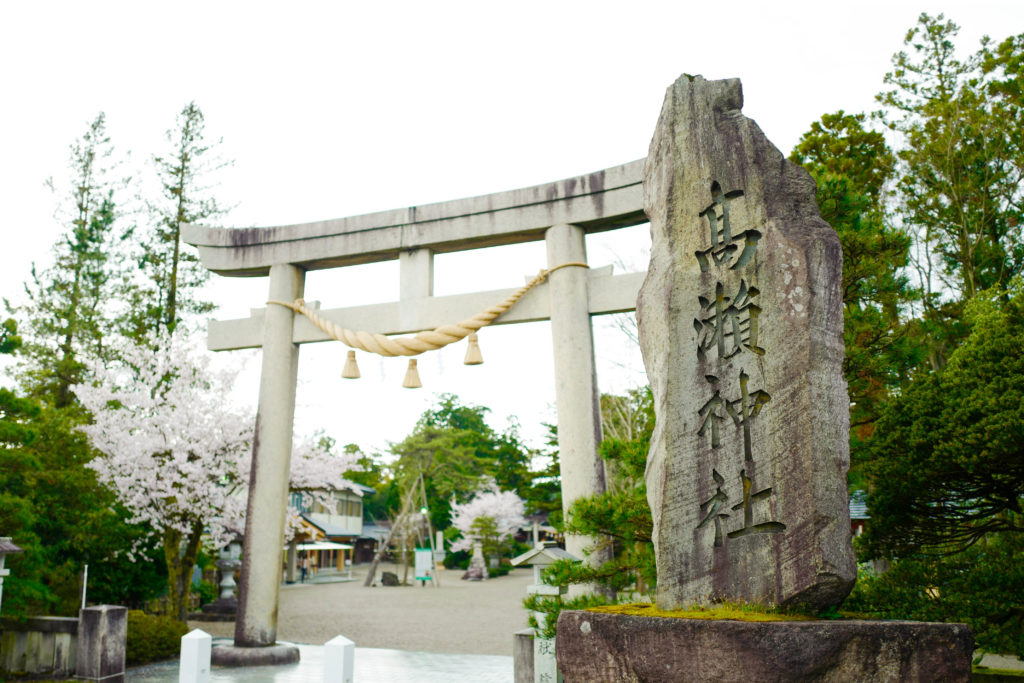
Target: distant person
[{"x": 305, "y": 567}]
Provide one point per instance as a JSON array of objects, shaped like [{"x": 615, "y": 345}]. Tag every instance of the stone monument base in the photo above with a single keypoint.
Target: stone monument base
[
  {"x": 221, "y": 609},
  {"x": 595, "y": 646},
  {"x": 232, "y": 655}
]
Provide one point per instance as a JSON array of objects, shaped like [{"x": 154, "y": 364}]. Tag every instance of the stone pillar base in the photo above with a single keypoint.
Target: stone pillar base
[
  {"x": 594, "y": 647},
  {"x": 232, "y": 655}
]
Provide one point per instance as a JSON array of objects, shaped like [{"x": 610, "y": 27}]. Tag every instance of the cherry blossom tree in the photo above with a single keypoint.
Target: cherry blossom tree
[
  {"x": 496, "y": 512},
  {"x": 177, "y": 454}
]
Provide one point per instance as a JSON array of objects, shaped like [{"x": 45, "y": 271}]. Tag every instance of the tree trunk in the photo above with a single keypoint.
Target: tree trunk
[
  {"x": 402, "y": 514},
  {"x": 181, "y": 561}
]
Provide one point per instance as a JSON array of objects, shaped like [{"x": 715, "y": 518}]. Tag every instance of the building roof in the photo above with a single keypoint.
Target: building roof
[
  {"x": 543, "y": 554},
  {"x": 324, "y": 523}
]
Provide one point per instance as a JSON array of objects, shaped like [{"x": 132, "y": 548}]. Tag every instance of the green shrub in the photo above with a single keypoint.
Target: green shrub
[
  {"x": 151, "y": 638},
  {"x": 457, "y": 560},
  {"x": 206, "y": 591},
  {"x": 980, "y": 586}
]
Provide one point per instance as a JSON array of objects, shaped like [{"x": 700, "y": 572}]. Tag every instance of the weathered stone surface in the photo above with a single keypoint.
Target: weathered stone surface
[
  {"x": 267, "y": 655},
  {"x": 741, "y": 330},
  {"x": 389, "y": 579},
  {"x": 595, "y": 647},
  {"x": 102, "y": 640}
]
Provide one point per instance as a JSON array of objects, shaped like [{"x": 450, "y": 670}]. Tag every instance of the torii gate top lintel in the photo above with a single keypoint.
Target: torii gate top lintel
[{"x": 603, "y": 200}]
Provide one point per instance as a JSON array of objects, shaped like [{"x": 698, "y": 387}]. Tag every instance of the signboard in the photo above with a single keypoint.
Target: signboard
[{"x": 424, "y": 564}]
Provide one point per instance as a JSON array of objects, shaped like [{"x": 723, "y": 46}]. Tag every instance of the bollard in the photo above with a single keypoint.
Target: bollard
[
  {"x": 195, "y": 657},
  {"x": 339, "y": 660}
]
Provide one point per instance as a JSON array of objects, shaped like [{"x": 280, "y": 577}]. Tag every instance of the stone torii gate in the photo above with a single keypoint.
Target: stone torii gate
[{"x": 560, "y": 213}]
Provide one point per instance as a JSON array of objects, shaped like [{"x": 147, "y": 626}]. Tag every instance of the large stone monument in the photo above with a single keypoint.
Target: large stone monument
[{"x": 741, "y": 327}]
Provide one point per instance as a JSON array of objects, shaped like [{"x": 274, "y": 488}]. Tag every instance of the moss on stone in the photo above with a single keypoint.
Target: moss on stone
[{"x": 729, "y": 611}]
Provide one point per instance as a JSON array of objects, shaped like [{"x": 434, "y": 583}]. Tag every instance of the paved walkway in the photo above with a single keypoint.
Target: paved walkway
[
  {"x": 459, "y": 631},
  {"x": 371, "y": 665},
  {"x": 459, "y": 617}
]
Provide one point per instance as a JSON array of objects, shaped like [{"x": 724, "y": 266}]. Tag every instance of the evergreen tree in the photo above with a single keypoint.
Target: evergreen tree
[
  {"x": 960, "y": 170},
  {"x": 71, "y": 304},
  {"x": 55, "y": 509},
  {"x": 851, "y": 166},
  {"x": 456, "y": 451},
  {"x": 947, "y": 463},
  {"x": 619, "y": 519},
  {"x": 173, "y": 275}
]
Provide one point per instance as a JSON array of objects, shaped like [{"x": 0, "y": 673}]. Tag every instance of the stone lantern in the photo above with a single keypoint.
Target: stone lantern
[
  {"x": 225, "y": 607},
  {"x": 6, "y": 548},
  {"x": 541, "y": 557}
]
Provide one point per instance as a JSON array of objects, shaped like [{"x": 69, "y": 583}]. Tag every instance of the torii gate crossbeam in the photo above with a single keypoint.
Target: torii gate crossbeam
[{"x": 560, "y": 213}]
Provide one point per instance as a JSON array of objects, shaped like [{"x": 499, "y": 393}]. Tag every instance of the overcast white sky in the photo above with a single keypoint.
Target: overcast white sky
[{"x": 336, "y": 109}]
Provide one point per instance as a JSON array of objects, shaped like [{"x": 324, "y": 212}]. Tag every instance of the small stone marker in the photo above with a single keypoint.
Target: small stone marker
[
  {"x": 102, "y": 636},
  {"x": 339, "y": 660},
  {"x": 542, "y": 556},
  {"x": 741, "y": 327},
  {"x": 196, "y": 646}
]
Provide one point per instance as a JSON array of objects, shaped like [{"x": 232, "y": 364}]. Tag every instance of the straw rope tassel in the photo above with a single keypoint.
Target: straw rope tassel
[
  {"x": 351, "y": 370},
  {"x": 412, "y": 376},
  {"x": 473, "y": 355}
]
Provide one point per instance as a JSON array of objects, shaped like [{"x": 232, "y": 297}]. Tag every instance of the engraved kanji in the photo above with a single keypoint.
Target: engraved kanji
[
  {"x": 748, "y": 512},
  {"x": 711, "y": 415},
  {"x": 725, "y": 246},
  {"x": 744, "y": 409},
  {"x": 728, "y": 324},
  {"x": 712, "y": 508}
]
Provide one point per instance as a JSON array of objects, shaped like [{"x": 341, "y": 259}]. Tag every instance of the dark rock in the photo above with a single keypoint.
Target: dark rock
[
  {"x": 389, "y": 579},
  {"x": 594, "y": 647},
  {"x": 474, "y": 574}
]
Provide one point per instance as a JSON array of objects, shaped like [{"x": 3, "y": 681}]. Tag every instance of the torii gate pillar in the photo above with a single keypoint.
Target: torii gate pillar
[
  {"x": 256, "y": 623},
  {"x": 576, "y": 395}
]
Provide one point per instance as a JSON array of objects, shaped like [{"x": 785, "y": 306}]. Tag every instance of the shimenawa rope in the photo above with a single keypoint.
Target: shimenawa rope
[{"x": 428, "y": 340}]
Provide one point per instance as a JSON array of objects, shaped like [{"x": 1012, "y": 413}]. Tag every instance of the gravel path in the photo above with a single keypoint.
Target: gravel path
[{"x": 460, "y": 617}]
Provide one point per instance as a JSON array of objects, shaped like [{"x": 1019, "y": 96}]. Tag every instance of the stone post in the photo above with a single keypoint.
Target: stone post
[
  {"x": 102, "y": 637},
  {"x": 576, "y": 394},
  {"x": 195, "y": 657},
  {"x": 271, "y": 457}
]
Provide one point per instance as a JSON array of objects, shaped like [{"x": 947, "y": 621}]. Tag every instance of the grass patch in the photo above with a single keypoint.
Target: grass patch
[
  {"x": 728, "y": 611},
  {"x": 986, "y": 675}
]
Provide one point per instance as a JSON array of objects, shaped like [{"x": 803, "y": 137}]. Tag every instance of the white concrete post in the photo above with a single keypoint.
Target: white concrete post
[
  {"x": 576, "y": 394},
  {"x": 339, "y": 660},
  {"x": 194, "y": 667},
  {"x": 256, "y": 624}
]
